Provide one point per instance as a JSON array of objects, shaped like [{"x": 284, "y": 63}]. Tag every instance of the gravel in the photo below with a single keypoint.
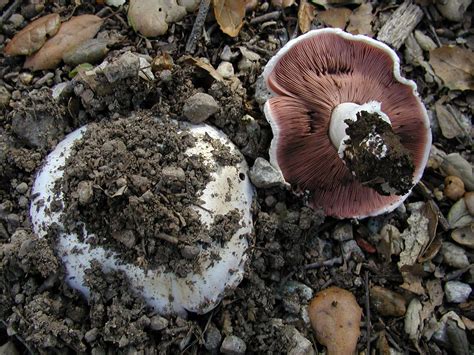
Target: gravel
[
  {"x": 456, "y": 291},
  {"x": 200, "y": 107}
]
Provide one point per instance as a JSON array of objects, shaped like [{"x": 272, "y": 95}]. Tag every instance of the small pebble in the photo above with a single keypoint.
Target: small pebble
[
  {"x": 233, "y": 345},
  {"x": 5, "y": 97},
  {"x": 270, "y": 201},
  {"x": 85, "y": 192},
  {"x": 456, "y": 291},
  {"x": 298, "y": 344},
  {"x": 342, "y": 232},
  {"x": 26, "y": 78},
  {"x": 464, "y": 236},
  {"x": 213, "y": 338},
  {"x": 227, "y": 54},
  {"x": 226, "y": 69},
  {"x": 264, "y": 175},
  {"x": 158, "y": 323},
  {"x": 351, "y": 249},
  {"x": 425, "y": 42},
  {"x": 173, "y": 173},
  {"x": 387, "y": 302},
  {"x": 469, "y": 200},
  {"x": 9, "y": 348},
  {"x": 200, "y": 107},
  {"x": 454, "y": 256},
  {"x": 166, "y": 76},
  {"x": 453, "y": 10},
  {"x": 16, "y": 20},
  {"x": 453, "y": 187},
  {"x": 21, "y": 188},
  {"x": 91, "y": 335}
]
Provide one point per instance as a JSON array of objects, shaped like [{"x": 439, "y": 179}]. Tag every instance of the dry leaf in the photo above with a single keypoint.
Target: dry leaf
[
  {"x": 33, "y": 36},
  {"x": 305, "y": 16},
  {"x": 360, "y": 22},
  {"x": 336, "y": 17},
  {"x": 151, "y": 17},
  {"x": 455, "y": 66},
  {"x": 71, "y": 34},
  {"x": 229, "y": 15},
  {"x": 203, "y": 65},
  {"x": 335, "y": 318},
  {"x": 282, "y": 3}
]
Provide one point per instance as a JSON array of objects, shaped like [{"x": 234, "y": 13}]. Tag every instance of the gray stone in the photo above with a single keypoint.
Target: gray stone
[
  {"x": 126, "y": 237},
  {"x": 233, "y": 345},
  {"x": 16, "y": 20},
  {"x": 200, "y": 107},
  {"x": 157, "y": 323},
  {"x": 126, "y": 66},
  {"x": 85, "y": 192},
  {"x": 212, "y": 338},
  {"x": 454, "y": 256},
  {"x": 91, "y": 335},
  {"x": 262, "y": 94},
  {"x": 298, "y": 344},
  {"x": 5, "y": 97},
  {"x": 425, "y": 42},
  {"x": 91, "y": 51},
  {"x": 351, "y": 249},
  {"x": 456, "y": 291},
  {"x": 173, "y": 173},
  {"x": 264, "y": 175},
  {"x": 453, "y": 9},
  {"x": 226, "y": 69},
  {"x": 342, "y": 232},
  {"x": 21, "y": 188},
  {"x": 190, "y": 251},
  {"x": 9, "y": 348},
  {"x": 227, "y": 54}
]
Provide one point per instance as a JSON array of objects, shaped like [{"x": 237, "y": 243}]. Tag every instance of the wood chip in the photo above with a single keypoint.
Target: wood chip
[{"x": 401, "y": 23}]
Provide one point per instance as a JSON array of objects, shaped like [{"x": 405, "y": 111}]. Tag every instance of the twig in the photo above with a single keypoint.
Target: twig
[
  {"x": 167, "y": 238},
  {"x": 367, "y": 309},
  {"x": 275, "y": 15},
  {"x": 198, "y": 25},
  {"x": 318, "y": 264},
  {"x": 8, "y": 12}
]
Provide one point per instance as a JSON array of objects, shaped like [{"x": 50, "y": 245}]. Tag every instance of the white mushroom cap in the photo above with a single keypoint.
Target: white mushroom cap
[
  {"x": 310, "y": 77},
  {"x": 164, "y": 291}
]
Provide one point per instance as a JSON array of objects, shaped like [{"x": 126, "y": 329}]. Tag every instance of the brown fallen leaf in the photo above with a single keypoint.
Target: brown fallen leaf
[
  {"x": 335, "y": 17},
  {"x": 229, "y": 15},
  {"x": 71, "y": 33},
  {"x": 305, "y": 16},
  {"x": 455, "y": 66},
  {"x": 33, "y": 36},
  {"x": 360, "y": 22},
  {"x": 335, "y": 318}
]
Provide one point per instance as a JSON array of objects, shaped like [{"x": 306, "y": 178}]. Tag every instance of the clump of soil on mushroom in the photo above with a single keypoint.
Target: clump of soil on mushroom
[
  {"x": 376, "y": 156},
  {"x": 136, "y": 191}
]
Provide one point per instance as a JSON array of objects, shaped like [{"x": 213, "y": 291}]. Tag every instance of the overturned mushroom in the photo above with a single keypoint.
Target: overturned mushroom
[
  {"x": 347, "y": 126},
  {"x": 217, "y": 262}
]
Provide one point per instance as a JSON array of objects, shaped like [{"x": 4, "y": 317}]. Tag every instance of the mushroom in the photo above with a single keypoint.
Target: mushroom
[
  {"x": 222, "y": 264},
  {"x": 347, "y": 126}
]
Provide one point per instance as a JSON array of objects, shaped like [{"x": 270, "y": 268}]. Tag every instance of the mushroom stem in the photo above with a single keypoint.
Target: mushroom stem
[{"x": 369, "y": 147}]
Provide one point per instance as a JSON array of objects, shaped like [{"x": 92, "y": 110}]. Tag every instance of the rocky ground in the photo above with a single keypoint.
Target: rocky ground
[{"x": 410, "y": 270}]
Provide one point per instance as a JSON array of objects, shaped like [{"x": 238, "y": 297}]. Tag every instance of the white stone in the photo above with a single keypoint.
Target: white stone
[{"x": 456, "y": 291}]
